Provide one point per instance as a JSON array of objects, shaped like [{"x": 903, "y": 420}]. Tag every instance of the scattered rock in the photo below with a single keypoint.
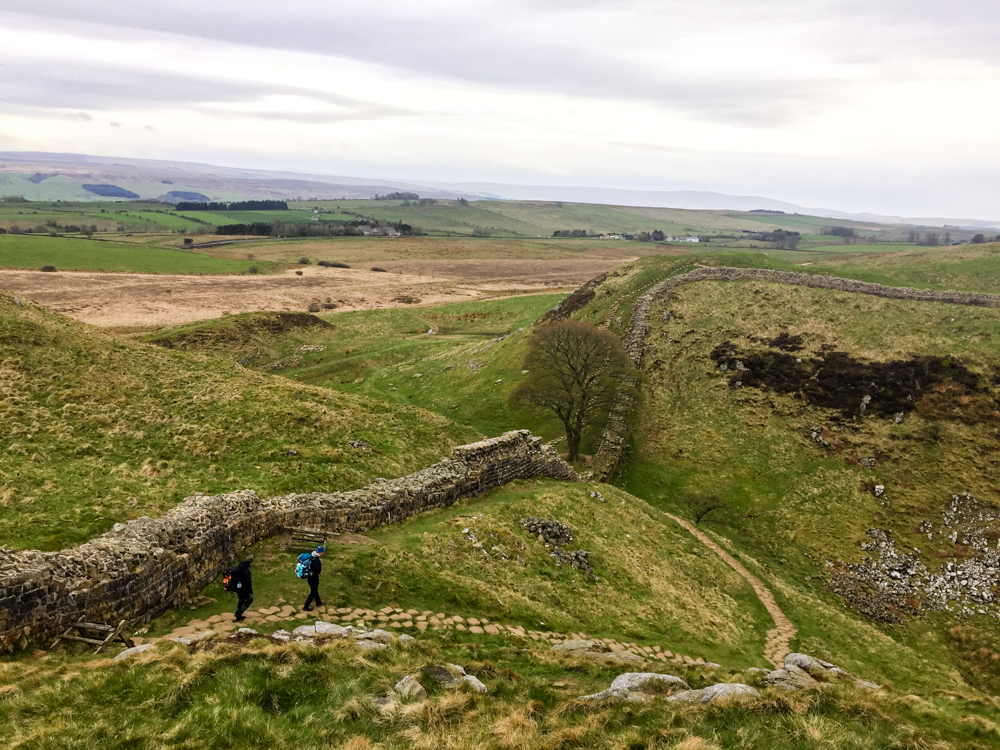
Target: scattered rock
[
  {"x": 377, "y": 636},
  {"x": 129, "y": 652},
  {"x": 246, "y": 631},
  {"x": 553, "y": 532},
  {"x": 328, "y": 628},
  {"x": 474, "y": 683},
  {"x": 281, "y": 635},
  {"x": 370, "y": 645},
  {"x": 789, "y": 678},
  {"x": 449, "y": 675},
  {"x": 304, "y": 631},
  {"x": 639, "y": 687},
  {"x": 410, "y": 687},
  {"x": 406, "y": 640}
]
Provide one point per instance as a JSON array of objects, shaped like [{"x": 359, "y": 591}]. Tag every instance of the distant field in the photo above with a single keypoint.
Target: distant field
[{"x": 68, "y": 254}]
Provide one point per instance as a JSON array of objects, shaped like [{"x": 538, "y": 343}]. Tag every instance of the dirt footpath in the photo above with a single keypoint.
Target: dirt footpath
[{"x": 139, "y": 300}]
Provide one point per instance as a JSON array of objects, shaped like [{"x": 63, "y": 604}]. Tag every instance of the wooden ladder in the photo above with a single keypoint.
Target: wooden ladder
[
  {"x": 307, "y": 537},
  {"x": 80, "y": 627}
]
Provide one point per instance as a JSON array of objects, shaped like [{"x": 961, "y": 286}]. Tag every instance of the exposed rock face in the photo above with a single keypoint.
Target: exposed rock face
[
  {"x": 893, "y": 582},
  {"x": 148, "y": 565},
  {"x": 801, "y": 671},
  {"x": 411, "y": 688}
]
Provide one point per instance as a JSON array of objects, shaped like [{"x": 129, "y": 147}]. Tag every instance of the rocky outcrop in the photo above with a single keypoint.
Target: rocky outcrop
[
  {"x": 802, "y": 672},
  {"x": 145, "y": 566},
  {"x": 639, "y": 687},
  {"x": 615, "y": 434}
]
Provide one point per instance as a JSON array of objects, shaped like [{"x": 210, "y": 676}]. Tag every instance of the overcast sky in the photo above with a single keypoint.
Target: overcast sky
[{"x": 889, "y": 106}]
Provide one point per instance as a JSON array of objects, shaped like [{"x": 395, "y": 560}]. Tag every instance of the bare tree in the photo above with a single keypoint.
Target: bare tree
[
  {"x": 574, "y": 371},
  {"x": 702, "y": 505}
]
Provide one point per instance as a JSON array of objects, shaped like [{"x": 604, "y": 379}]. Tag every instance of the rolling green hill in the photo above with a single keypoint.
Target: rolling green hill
[{"x": 99, "y": 430}]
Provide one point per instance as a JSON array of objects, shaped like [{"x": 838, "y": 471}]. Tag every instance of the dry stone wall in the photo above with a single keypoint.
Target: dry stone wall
[
  {"x": 615, "y": 434},
  {"x": 145, "y": 566}
]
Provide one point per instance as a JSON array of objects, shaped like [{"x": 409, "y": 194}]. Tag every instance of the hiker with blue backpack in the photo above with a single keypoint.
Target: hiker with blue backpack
[{"x": 309, "y": 567}]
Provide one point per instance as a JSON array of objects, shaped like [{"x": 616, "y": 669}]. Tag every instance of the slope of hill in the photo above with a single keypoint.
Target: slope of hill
[{"x": 98, "y": 430}]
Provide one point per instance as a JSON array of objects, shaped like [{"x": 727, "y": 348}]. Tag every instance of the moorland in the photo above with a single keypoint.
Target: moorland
[{"x": 109, "y": 424}]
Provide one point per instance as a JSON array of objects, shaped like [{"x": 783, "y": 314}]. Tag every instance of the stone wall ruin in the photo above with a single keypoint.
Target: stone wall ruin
[
  {"x": 145, "y": 566},
  {"x": 616, "y": 432}
]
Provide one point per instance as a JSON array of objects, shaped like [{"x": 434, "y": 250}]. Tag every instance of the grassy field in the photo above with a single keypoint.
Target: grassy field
[
  {"x": 282, "y": 697},
  {"x": 134, "y": 428},
  {"x": 655, "y": 585},
  {"x": 69, "y": 254}
]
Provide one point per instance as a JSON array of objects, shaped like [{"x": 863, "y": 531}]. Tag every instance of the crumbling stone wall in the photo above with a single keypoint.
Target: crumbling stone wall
[
  {"x": 615, "y": 434},
  {"x": 145, "y": 566}
]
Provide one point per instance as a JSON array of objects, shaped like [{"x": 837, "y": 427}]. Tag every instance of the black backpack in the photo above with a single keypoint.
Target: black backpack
[{"x": 230, "y": 579}]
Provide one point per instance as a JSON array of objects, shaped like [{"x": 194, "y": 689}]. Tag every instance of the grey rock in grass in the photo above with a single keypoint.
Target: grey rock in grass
[
  {"x": 246, "y": 631},
  {"x": 474, "y": 683},
  {"x": 281, "y": 635},
  {"x": 647, "y": 682},
  {"x": 687, "y": 696},
  {"x": 129, "y": 652},
  {"x": 789, "y": 678},
  {"x": 304, "y": 631},
  {"x": 726, "y": 690},
  {"x": 406, "y": 640},
  {"x": 411, "y": 688},
  {"x": 719, "y": 692},
  {"x": 181, "y": 640},
  {"x": 639, "y": 687},
  {"x": 441, "y": 674},
  {"x": 370, "y": 646},
  {"x": 329, "y": 628},
  {"x": 202, "y": 635},
  {"x": 816, "y": 668},
  {"x": 377, "y": 635}
]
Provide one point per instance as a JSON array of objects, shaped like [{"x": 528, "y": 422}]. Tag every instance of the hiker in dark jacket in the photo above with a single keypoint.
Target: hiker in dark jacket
[
  {"x": 244, "y": 587},
  {"x": 315, "y": 568}
]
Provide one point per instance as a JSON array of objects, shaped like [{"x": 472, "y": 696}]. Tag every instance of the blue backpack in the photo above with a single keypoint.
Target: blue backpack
[{"x": 302, "y": 568}]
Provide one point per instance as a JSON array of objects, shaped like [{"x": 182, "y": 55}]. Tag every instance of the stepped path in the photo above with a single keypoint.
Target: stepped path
[
  {"x": 776, "y": 645},
  {"x": 407, "y": 621}
]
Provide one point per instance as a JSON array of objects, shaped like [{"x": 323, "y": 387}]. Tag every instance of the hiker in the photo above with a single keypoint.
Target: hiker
[
  {"x": 315, "y": 568},
  {"x": 241, "y": 583}
]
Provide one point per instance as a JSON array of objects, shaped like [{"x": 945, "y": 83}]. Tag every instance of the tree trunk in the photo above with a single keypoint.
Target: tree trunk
[{"x": 573, "y": 441}]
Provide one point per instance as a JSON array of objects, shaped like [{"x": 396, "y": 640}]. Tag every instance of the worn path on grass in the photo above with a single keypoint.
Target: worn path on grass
[
  {"x": 776, "y": 644},
  {"x": 412, "y": 620}
]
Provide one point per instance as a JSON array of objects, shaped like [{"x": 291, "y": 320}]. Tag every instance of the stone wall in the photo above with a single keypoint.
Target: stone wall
[
  {"x": 616, "y": 432},
  {"x": 145, "y": 566}
]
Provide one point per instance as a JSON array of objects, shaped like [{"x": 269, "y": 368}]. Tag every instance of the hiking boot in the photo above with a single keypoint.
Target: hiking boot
[
  {"x": 241, "y": 618},
  {"x": 308, "y": 609}
]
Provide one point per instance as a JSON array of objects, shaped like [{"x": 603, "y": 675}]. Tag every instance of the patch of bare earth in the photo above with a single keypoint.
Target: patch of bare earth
[{"x": 141, "y": 300}]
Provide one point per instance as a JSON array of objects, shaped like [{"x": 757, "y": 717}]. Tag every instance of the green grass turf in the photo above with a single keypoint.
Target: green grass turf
[
  {"x": 98, "y": 430},
  {"x": 70, "y": 254}
]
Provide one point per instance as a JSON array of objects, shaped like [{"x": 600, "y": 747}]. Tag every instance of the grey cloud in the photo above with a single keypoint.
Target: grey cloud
[
  {"x": 104, "y": 88},
  {"x": 611, "y": 50}
]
